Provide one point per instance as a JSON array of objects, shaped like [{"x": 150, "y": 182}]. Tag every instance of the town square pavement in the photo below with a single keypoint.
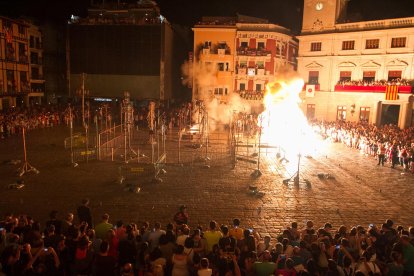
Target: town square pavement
[{"x": 338, "y": 185}]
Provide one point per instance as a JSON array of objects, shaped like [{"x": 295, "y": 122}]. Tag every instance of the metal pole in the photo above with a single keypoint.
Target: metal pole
[
  {"x": 24, "y": 148},
  {"x": 71, "y": 135}
]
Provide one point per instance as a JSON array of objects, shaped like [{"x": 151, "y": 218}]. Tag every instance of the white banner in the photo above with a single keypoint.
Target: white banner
[{"x": 310, "y": 90}]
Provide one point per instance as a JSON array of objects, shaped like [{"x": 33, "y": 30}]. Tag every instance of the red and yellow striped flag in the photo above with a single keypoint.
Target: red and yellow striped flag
[{"x": 391, "y": 92}]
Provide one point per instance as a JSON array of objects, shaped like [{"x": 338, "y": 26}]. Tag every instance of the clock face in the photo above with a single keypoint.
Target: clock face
[{"x": 319, "y": 6}]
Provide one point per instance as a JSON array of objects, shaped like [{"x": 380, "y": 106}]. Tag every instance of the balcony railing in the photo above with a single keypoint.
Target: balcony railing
[
  {"x": 37, "y": 77},
  {"x": 251, "y": 94},
  {"x": 23, "y": 59},
  {"x": 253, "y": 52},
  {"x": 403, "y": 89}
]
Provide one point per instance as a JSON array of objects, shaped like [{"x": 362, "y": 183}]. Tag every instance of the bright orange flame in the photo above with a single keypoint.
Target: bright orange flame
[{"x": 283, "y": 122}]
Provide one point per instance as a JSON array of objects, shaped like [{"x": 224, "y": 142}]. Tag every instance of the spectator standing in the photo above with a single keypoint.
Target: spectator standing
[
  {"x": 103, "y": 227},
  {"x": 155, "y": 235},
  {"x": 181, "y": 217},
  {"x": 212, "y": 236},
  {"x": 84, "y": 212},
  {"x": 236, "y": 231},
  {"x": 104, "y": 265}
]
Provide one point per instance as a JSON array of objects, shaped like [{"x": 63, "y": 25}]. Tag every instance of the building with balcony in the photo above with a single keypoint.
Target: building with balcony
[
  {"x": 14, "y": 63},
  {"x": 245, "y": 53},
  {"x": 125, "y": 47},
  {"x": 356, "y": 71},
  {"x": 37, "y": 81}
]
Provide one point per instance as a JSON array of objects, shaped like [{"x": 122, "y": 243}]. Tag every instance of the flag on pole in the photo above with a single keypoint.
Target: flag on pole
[
  {"x": 310, "y": 90},
  {"x": 391, "y": 92}
]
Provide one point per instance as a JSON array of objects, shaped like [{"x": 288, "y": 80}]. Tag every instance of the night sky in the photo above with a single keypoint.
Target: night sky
[{"x": 287, "y": 13}]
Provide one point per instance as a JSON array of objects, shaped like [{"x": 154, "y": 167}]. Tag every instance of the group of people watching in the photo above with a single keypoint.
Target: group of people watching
[
  {"x": 13, "y": 120},
  {"x": 402, "y": 82},
  {"x": 66, "y": 247},
  {"x": 388, "y": 144}
]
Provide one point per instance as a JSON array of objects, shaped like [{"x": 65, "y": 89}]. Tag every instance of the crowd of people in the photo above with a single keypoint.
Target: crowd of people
[
  {"x": 388, "y": 144},
  {"x": 402, "y": 82},
  {"x": 78, "y": 246},
  {"x": 13, "y": 120}
]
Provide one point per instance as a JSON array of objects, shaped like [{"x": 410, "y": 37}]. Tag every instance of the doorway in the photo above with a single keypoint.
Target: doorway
[{"x": 390, "y": 114}]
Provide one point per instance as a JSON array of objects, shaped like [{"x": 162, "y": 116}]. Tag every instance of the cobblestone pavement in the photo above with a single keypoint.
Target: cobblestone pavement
[{"x": 359, "y": 192}]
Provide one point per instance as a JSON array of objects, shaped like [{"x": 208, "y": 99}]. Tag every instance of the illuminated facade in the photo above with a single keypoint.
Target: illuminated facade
[
  {"x": 14, "y": 63},
  {"x": 360, "y": 71},
  {"x": 37, "y": 80},
  {"x": 245, "y": 53}
]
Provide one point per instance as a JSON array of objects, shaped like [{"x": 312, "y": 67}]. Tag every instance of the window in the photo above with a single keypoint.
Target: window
[
  {"x": 260, "y": 45},
  {"x": 258, "y": 87},
  {"x": 243, "y": 63},
  {"x": 11, "y": 84},
  {"x": 368, "y": 76},
  {"x": 34, "y": 58},
  {"x": 35, "y": 73},
  {"x": 251, "y": 71},
  {"x": 316, "y": 46},
  {"x": 372, "y": 44},
  {"x": 22, "y": 49},
  {"x": 313, "y": 77},
  {"x": 7, "y": 24},
  {"x": 364, "y": 114},
  {"x": 207, "y": 44},
  {"x": 244, "y": 44},
  {"x": 341, "y": 113},
  {"x": 345, "y": 75},
  {"x": 23, "y": 76},
  {"x": 31, "y": 42},
  {"x": 398, "y": 42},
  {"x": 21, "y": 29},
  {"x": 310, "y": 111},
  {"x": 394, "y": 75},
  {"x": 348, "y": 45},
  {"x": 220, "y": 91},
  {"x": 242, "y": 87},
  {"x": 38, "y": 46},
  {"x": 260, "y": 64},
  {"x": 10, "y": 51}
]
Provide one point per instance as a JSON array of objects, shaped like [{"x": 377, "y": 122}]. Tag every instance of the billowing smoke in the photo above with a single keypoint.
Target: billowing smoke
[{"x": 204, "y": 78}]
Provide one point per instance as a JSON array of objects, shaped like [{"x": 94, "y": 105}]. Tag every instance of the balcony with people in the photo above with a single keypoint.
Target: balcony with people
[
  {"x": 374, "y": 86},
  {"x": 253, "y": 95},
  {"x": 245, "y": 51}
]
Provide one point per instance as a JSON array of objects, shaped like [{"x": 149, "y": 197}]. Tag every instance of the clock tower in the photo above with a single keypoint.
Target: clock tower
[{"x": 320, "y": 15}]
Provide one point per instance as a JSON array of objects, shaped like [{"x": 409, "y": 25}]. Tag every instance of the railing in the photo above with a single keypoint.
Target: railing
[
  {"x": 251, "y": 94},
  {"x": 23, "y": 59},
  {"x": 377, "y": 24},
  {"x": 37, "y": 77},
  {"x": 404, "y": 89},
  {"x": 253, "y": 52}
]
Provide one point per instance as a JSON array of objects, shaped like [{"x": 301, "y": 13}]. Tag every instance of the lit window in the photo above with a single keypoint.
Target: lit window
[
  {"x": 341, "y": 113},
  {"x": 348, "y": 45},
  {"x": 398, "y": 42},
  {"x": 316, "y": 46},
  {"x": 364, "y": 114},
  {"x": 372, "y": 44},
  {"x": 313, "y": 77}
]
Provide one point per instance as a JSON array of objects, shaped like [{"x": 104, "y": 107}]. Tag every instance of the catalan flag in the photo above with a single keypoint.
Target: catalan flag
[{"x": 391, "y": 92}]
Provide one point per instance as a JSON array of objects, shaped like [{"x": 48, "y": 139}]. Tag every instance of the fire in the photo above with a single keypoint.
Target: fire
[{"x": 283, "y": 123}]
